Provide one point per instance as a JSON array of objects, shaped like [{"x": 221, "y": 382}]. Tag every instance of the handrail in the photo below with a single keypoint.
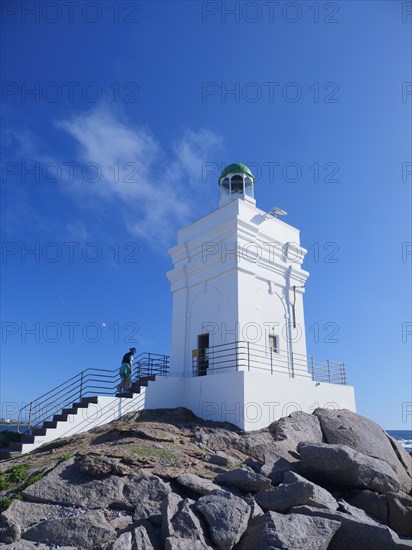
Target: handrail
[
  {"x": 249, "y": 356},
  {"x": 91, "y": 381}
]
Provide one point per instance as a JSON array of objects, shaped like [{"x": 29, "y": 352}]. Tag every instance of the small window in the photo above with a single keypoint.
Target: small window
[
  {"x": 248, "y": 187},
  {"x": 224, "y": 186},
  {"x": 274, "y": 343},
  {"x": 237, "y": 185}
]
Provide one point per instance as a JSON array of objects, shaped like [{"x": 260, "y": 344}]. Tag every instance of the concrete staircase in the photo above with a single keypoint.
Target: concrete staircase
[{"x": 82, "y": 416}]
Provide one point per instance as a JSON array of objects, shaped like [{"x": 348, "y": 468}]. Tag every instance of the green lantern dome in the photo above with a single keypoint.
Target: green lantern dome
[{"x": 236, "y": 168}]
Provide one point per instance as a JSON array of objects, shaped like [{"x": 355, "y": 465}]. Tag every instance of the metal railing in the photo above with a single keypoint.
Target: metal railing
[
  {"x": 248, "y": 356},
  {"x": 90, "y": 382}
]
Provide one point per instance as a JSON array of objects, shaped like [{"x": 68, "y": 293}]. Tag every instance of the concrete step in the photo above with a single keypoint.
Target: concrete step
[
  {"x": 70, "y": 410},
  {"x": 50, "y": 424},
  {"x": 92, "y": 399},
  {"x": 60, "y": 417},
  {"x": 144, "y": 380},
  {"x": 80, "y": 405},
  {"x": 126, "y": 394},
  {"x": 39, "y": 431},
  {"x": 27, "y": 438},
  {"x": 135, "y": 388}
]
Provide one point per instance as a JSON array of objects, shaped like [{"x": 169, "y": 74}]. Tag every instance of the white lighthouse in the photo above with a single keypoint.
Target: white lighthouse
[{"x": 238, "y": 350}]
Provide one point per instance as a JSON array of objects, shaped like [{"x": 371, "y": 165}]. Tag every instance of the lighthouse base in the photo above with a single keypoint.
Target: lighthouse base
[{"x": 250, "y": 401}]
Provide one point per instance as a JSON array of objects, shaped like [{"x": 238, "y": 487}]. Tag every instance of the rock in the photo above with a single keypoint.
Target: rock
[
  {"x": 390, "y": 509},
  {"x": 254, "y": 464},
  {"x": 174, "y": 543},
  {"x": 142, "y": 539},
  {"x": 227, "y": 516},
  {"x": 28, "y": 545},
  {"x": 10, "y": 530},
  {"x": 354, "y": 512},
  {"x": 95, "y": 465},
  {"x": 180, "y": 523},
  {"x": 179, "y": 415},
  {"x": 121, "y": 523},
  {"x": 275, "y": 466},
  {"x": 297, "y": 427},
  {"x": 146, "y": 492},
  {"x": 124, "y": 542},
  {"x": 404, "y": 457},
  {"x": 244, "y": 480},
  {"x": 344, "y": 427},
  {"x": 400, "y": 514},
  {"x": 341, "y": 465},
  {"x": 87, "y": 530},
  {"x": 197, "y": 484},
  {"x": 26, "y": 514},
  {"x": 295, "y": 491},
  {"x": 147, "y": 536},
  {"x": 170, "y": 506},
  {"x": 201, "y": 438},
  {"x": 356, "y": 532},
  {"x": 256, "y": 510},
  {"x": 221, "y": 459},
  {"x": 99, "y": 466},
  {"x": 291, "y": 531},
  {"x": 66, "y": 485},
  {"x": 153, "y": 433},
  {"x": 374, "y": 504}
]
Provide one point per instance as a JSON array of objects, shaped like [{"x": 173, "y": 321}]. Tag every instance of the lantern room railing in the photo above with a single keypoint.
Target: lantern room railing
[{"x": 247, "y": 356}]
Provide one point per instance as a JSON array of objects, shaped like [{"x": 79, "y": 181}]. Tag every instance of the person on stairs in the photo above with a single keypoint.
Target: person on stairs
[{"x": 126, "y": 370}]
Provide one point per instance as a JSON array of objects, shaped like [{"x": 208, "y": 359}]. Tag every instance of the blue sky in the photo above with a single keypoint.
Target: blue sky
[{"x": 117, "y": 119}]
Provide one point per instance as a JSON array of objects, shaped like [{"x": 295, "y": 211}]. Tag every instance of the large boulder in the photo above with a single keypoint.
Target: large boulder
[
  {"x": 10, "y": 530},
  {"x": 173, "y": 543},
  {"x": 227, "y": 516},
  {"x": 220, "y": 458},
  {"x": 275, "y": 466},
  {"x": 344, "y": 427},
  {"x": 244, "y": 480},
  {"x": 67, "y": 485},
  {"x": 27, "y": 514},
  {"x": 291, "y": 531},
  {"x": 197, "y": 484},
  {"x": 28, "y": 545},
  {"x": 390, "y": 509},
  {"x": 297, "y": 427},
  {"x": 87, "y": 530},
  {"x": 181, "y": 526},
  {"x": 404, "y": 457},
  {"x": 357, "y": 530},
  {"x": 146, "y": 493},
  {"x": 100, "y": 466},
  {"x": 341, "y": 465},
  {"x": 124, "y": 542},
  {"x": 294, "y": 492},
  {"x": 142, "y": 539}
]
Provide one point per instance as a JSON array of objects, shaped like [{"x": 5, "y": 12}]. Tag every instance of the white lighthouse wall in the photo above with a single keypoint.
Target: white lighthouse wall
[
  {"x": 270, "y": 397},
  {"x": 218, "y": 397},
  {"x": 213, "y": 310},
  {"x": 206, "y": 307},
  {"x": 232, "y": 277},
  {"x": 249, "y": 400}
]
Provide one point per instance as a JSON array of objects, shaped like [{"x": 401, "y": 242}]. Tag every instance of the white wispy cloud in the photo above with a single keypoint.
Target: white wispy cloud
[{"x": 157, "y": 192}]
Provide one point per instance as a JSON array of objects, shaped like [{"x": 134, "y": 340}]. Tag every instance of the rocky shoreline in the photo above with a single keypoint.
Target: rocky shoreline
[{"x": 165, "y": 479}]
